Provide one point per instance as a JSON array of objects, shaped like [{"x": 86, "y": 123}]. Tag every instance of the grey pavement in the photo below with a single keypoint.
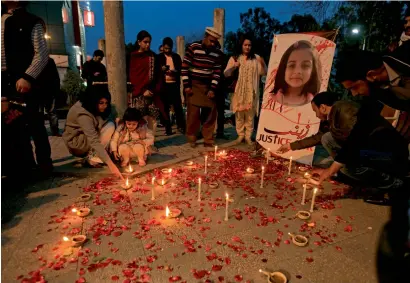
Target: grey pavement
[{"x": 130, "y": 240}]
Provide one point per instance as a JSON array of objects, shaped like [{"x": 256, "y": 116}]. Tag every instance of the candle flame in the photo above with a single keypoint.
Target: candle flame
[
  {"x": 127, "y": 182},
  {"x": 163, "y": 182},
  {"x": 306, "y": 174},
  {"x": 167, "y": 211},
  {"x": 170, "y": 170},
  {"x": 65, "y": 239},
  {"x": 263, "y": 168},
  {"x": 130, "y": 168},
  {"x": 304, "y": 186},
  {"x": 199, "y": 180},
  {"x": 74, "y": 210},
  {"x": 153, "y": 180},
  {"x": 226, "y": 195},
  {"x": 260, "y": 270},
  {"x": 315, "y": 191},
  {"x": 206, "y": 157},
  {"x": 291, "y": 158}
]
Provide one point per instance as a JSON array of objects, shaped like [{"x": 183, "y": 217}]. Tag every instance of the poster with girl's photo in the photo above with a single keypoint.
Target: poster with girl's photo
[{"x": 299, "y": 68}]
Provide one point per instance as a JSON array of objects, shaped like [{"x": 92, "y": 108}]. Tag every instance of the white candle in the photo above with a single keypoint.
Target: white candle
[
  {"x": 313, "y": 200},
  {"x": 304, "y": 194},
  {"x": 290, "y": 165},
  {"x": 267, "y": 156},
  {"x": 307, "y": 176},
  {"x": 263, "y": 172},
  {"x": 152, "y": 189},
  {"x": 199, "y": 189},
  {"x": 226, "y": 207},
  {"x": 206, "y": 164},
  {"x": 216, "y": 149}
]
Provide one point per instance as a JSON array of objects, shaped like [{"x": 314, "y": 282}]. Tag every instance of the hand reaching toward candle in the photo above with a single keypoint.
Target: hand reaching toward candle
[
  {"x": 114, "y": 169},
  {"x": 283, "y": 149}
]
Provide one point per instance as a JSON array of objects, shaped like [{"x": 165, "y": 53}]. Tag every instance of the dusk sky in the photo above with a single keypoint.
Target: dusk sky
[{"x": 171, "y": 19}]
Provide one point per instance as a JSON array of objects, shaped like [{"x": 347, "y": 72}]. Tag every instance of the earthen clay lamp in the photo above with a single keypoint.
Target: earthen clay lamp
[
  {"x": 83, "y": 212},
  {"x": 78, "y": 240},
  {"x": 213, "y": 185},
  {"x": 85, "y": 197},
  {"x": 275, "y": 277},
  {"x": 303, "y": 214}
]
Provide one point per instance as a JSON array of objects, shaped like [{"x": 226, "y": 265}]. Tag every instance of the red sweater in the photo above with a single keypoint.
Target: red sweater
[{"x": 143, "y": 72}]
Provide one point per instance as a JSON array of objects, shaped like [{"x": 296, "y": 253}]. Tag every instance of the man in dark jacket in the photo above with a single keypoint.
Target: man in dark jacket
[
  {"x": 23, "y": 61},
  {"x": 322, "y": 105},
  {"x": 94, "y": 70},
  {"x": 171, "y": 64}
]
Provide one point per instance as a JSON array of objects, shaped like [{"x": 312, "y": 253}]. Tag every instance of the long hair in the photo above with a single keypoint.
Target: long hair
[
  {"x": 92, "y": 97},
  {"x": 140, "y": 36},
  {"x": 342, "y": 119},
  {"x": 313, "y": 85},
  {"x": 240, "y": 44}
]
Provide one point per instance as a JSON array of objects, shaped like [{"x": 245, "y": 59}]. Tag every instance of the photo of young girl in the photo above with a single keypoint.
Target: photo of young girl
[{"x": 298, "y": 76}]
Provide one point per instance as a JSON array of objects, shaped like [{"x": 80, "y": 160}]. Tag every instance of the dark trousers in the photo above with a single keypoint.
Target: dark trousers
[
  {"x": 171, "y": 96},
  {"x": 220, "y": 104},
  {"x": 52, "y": 116},
  {"x": 196, "y": 116},
  {"x": 34, "y": 118}
]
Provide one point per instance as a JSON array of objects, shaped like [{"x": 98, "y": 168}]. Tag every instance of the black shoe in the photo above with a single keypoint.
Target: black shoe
[
  {"x": 222, "y": 136},
  {"x": 209, "y": 145},
  {"x": 378, "y": 200}
]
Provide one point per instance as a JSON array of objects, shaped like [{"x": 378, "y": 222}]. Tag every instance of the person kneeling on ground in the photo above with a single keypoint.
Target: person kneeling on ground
[
  {"x": 88, "y": 128},
  {"x": 322, "y": 105},
  {"x": 372, "y": 151},
  {"x": 132, "y": 139}
]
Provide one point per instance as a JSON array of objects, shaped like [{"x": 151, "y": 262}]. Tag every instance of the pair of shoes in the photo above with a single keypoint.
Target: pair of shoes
[
  {"x": 222, "y": 136},
  {"x": 378, "y": 200},
  {"x": 192, "y": 144},
  {"x": 209, "y": 145}
]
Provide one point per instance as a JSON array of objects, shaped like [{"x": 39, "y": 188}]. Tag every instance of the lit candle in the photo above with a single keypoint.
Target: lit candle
[
  {"x": 263, "y": 172},
  {"x": 66, "y": 239},
  {"x": 130, "y": 168},
  {"x": 216, "y": 149},
  {"x": 152, "y": 189},
  {"x": 226, "y": 207},
  {"x": 267, "y": 156},
  {"x": 304, "y": 194},
  {"x": 313, "y": 200},
  {"x": 163, "y": 181},
  {"x": 307, "y": 177},
  {"x": 167, "y": 212},
  {"x": 127, "y": 184},
  {"x": 74, "y": 210},
  {"x": 199, "y": 189},
  {"x": 290, "y": 165},
  {"x": 206, "y": 164}
]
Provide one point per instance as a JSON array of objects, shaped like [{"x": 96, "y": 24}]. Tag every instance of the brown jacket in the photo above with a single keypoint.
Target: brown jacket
[{"x": 312, "y": 140}]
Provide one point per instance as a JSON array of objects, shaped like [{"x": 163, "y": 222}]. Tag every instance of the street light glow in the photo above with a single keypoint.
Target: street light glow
[{"x": 355, "y": 31}]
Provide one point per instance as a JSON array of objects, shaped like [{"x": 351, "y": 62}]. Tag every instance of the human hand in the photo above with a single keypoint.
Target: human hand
[
  {"x": 96, "y": 74},
  {"x": 237, "y": 64},
  {"x": 164, "y": 68},
  {"x": 211, "y": 94},
  {"x": 315, "y": 182},
  {"x": 114, "y": 170},
  {"x": 284, "y": 148},
  {"x": 147, "y": 93},
  {"x": 116, "y": 155},
  {"x": 23, "y": 85}
]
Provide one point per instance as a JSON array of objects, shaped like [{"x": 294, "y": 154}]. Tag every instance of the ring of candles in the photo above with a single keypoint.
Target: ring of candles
[
  {"x": 85, "y": 197},
  {"x": 303, "y": 214}
]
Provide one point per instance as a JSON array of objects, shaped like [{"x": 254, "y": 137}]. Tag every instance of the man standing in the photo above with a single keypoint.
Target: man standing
[
  {"x": 94, "y": 70},
  {"x": 23, "y": 61},
  {"x": 201, "y": 75},
  {"x": 171, "y": 64}
]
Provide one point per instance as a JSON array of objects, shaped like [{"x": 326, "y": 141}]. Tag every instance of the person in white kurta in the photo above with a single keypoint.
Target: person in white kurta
[{"x": 245, "y": 100}]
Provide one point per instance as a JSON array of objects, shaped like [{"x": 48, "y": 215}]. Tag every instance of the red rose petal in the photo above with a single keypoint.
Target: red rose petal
[
  {"x": 221, "y": 279},
  {"x": 115, "y": 278},
  {"x": 81, "y": 280},
  {"x": 237, "y": 239},
  {"x": 227, "y": 261},
  {"x": 348, "y": 228},
  {"x": 309, "y": 259},
  {"x": 200, "y": 274},
  {"x": 117, "y": 233},
  {"x": 150, "y": 245},
  {"x": 338, "y": 248},
  {"x": 216, "y": 267},
  {"x": 238, "y": 278}
]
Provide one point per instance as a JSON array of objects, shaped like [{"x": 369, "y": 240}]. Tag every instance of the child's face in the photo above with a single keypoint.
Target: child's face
[
  {"x": 102, "y": 105},
  {"x": 131, "y": 125},
  {"x": 299, "y": 68}
]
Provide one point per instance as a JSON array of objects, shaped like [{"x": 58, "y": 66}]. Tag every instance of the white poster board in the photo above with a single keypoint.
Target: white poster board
[{"x": 299, "y": 68}]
